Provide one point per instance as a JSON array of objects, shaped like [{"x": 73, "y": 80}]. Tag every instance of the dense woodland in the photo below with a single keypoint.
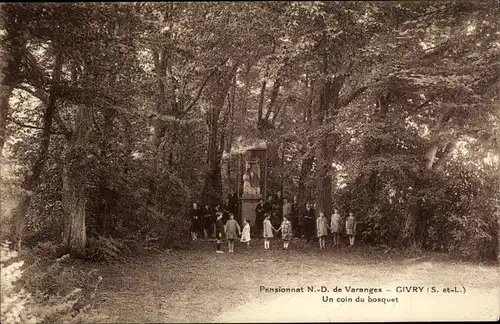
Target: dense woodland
[{"x": 115, "y": 117}]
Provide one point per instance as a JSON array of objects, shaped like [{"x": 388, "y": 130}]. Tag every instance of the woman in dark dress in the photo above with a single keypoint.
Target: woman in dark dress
[
  {"x": 259, "y": 216},
  {"x": 309, "y": 218},
  {"x": 207, "y": 221},
  {"x": 226, "y": 209},
  {"x": 195, "y": 215}
]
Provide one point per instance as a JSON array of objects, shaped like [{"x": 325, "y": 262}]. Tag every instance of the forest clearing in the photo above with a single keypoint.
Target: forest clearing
[{"x": 199, "y": 286}]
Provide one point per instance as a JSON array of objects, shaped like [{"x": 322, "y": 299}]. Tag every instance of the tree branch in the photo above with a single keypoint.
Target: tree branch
[
  {"x": 53, "y": 132},
  {"x": 34, "y": 93},
  {"x": 446, "y": 154},
  {"x": 61, "y": 124},
  {"x": 347, "y": 99},
  {"x": 198, "y": 94},
  {"x": 274, "y": 96}
]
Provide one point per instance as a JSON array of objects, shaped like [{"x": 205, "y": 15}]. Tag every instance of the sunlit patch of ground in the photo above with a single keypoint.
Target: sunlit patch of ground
[{"x": 198, "y": 285}]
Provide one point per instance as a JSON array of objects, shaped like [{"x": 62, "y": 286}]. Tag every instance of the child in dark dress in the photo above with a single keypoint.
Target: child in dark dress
[
  {"x": 286, "y": 232},
  {"x": 350, "y": 228},
  {"x": 219, "y": 229}
]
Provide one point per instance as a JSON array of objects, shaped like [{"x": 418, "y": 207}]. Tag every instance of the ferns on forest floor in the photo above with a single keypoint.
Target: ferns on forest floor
[{"x": 44, "y": 292}]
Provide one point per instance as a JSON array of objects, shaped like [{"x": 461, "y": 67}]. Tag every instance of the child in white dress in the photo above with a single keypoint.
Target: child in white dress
[
  {"x": 245, "y": 234},
  {"x": 321, "y": 229},
  {"x": 267, "y": 231}
]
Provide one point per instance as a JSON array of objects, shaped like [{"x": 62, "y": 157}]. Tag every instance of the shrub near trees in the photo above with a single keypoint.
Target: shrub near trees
[{"x": 115, "y": 117}]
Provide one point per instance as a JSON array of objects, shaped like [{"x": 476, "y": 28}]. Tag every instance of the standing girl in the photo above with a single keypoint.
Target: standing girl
[
  {"x": 245, "y": 234},
  {"x": 232, "y": 231},
  {"x": 286, "y": 232},
  {"x": 350, "y": 228},
  {"x": 335, "y": 227},
  {"x": 267, "y": 231},
  {"x": 322, "y": 229}
]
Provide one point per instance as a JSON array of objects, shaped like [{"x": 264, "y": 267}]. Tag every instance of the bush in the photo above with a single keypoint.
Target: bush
[
  {"x": 48, "y": 250},
  {"x": 53, "y": 292},
  {"x": 474, "y": 238},
  {"x": 175, "y": 231},
  {"x": 101, "y": 248}
]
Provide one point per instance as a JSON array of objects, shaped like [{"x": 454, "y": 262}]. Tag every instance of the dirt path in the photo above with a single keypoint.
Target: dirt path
[{"x": 201, "y": 286}]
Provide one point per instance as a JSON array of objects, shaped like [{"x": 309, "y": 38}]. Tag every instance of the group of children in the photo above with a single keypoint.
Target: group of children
[{"x": 232, "y": 231}]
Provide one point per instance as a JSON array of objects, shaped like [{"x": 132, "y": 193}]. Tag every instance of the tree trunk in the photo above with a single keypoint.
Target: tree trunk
[
  {"x": 159, "y": 126},
  {"x": 416, "y": 225},
  {"x": 5, "y": 93},
  {"x": 323, "y": 178},
  {"x": 261, "y": 101},
  {"x": 327, "y": 93},
  {"x": 32, "y": 179},
  {"x": 305, "y": 168},
  {"x": 229, "y": 143},
  {"x": 212, "y": 188},
  {"x": 382, "y": 102},
  {"x": 417, "y": 221},
  {"x": 11, "y": 51},
  {"x": 74, "y": 193},
  {"x": 307, "y": 161},
  {"x": 272, "y": 101}
]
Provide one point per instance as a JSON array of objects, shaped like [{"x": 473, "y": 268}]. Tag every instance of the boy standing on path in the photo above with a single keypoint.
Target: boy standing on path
[{"x": 232, "y": 231}]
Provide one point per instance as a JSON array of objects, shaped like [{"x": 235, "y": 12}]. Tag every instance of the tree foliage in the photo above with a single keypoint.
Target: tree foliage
[{"x": 116, "y": 116}]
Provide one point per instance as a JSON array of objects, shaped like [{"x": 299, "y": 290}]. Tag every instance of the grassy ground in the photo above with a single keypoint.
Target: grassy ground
[{"x": 198, "y": 285}]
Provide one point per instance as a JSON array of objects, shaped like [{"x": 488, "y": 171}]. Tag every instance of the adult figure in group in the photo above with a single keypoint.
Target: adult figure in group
[
  {"x": 207, "y": 222},
  {"x": 195, "y": 215},
  {"x": 226, "y": 209},
  {"x": 286, "y": 209},
  {"x": 278, "y": 199},
  {"x": 217, "y": 212},
  {"x": 275, "y": 201},
  {"x": 232, "y": 202},
  {"x": 259, "y": 215},
  {"x": 278, "y": 208},
  {"x": 309, "y": 219},
  {"x": 270, "y": 208},
  {"x": 294, "y": 217},
  {"x": 268, "y": 205}
]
